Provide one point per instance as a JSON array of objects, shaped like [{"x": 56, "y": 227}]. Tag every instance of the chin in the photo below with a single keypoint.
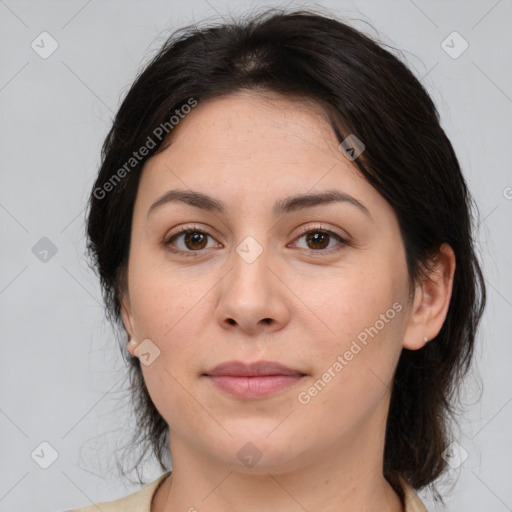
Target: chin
[{"x": 255, "y": 451}]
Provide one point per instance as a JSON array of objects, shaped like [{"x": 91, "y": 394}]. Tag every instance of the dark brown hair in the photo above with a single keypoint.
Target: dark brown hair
[{"x": 365, "y": 90}]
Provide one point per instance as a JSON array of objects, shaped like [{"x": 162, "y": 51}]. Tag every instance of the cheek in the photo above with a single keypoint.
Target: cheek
[
  {"x": 354, "y": 367},
  {"x": 172, "y": 311},
  {"x": 347, "y": 305},
  {"x": 360, "y": 318},
  {"x": 169, "y": 318},
  {"x": 162, "y": 300},
  {"x": 172, "y": 320}
]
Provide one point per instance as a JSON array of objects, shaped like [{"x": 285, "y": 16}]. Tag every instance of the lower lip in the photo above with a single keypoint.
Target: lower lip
[{"x": 254, "y": 387}]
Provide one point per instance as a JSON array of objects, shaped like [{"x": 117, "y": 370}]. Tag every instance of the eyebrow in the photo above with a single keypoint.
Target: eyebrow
[{"x": 287, "y": 205}]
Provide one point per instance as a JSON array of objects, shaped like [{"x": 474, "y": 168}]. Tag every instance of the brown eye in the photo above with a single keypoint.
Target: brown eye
[
  {"x": 318, "y": 240},
  {"x": 195, "y": 240},
  {"x": 188, "y": 240}
]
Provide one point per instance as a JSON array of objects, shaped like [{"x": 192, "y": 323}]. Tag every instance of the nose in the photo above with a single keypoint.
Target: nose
[{"x": 253, "y": 298}]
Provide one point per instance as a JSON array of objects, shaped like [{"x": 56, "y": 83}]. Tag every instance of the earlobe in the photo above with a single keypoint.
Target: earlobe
[
  {"x": 431, "y": 300},
  {"x": 128, "y": 324},
  {"x": 132, "y": 345}
]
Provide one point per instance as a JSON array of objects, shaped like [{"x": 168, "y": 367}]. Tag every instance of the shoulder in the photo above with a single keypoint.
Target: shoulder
[{"x": 139, "y": 501}]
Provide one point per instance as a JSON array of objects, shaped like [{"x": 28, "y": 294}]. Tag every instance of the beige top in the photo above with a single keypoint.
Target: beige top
[{"x": 140, "y": 501}]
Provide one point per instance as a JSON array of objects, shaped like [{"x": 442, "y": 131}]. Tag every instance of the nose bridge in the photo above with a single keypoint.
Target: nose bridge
[
  {"x": 250, "y": 261},
  {"x": 250, "y": 296}
]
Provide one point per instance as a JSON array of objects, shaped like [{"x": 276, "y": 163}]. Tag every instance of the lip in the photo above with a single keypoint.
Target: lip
[
  {"x": 253, "y": 380},
  {"x": 256, "y": 369}
]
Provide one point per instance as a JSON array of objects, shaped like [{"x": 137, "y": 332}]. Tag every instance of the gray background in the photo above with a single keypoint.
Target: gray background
[{"x": 62, "y": 378}]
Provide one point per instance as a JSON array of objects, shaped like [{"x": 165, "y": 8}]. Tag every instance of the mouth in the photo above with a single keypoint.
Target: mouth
[{"x": 253, "y": 380}]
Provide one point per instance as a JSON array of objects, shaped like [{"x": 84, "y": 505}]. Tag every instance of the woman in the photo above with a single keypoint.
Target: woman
[{"x": 282, "y": 227}]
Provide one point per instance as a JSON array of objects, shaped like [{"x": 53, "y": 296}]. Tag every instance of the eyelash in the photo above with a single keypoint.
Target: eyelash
[{"x": 194, "y": 229}]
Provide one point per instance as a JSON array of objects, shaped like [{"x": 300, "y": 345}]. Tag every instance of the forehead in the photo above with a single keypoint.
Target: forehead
[
  {"x": 254, "y": 125},
  {"x": 246, "y": 144},
  {"x": 253, "y": 130}
]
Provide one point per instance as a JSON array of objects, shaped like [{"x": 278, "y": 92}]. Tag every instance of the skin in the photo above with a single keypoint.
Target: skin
[{"x": 250, "y": 150}]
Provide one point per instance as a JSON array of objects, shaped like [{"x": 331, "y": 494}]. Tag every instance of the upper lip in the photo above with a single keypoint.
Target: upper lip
[{"x": 259, "y": 368}]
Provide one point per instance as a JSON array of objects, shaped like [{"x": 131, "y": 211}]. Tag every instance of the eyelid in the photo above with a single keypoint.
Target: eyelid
[
  {"x": 320, "y": 227},
  {"x": 184, "y": 229}
]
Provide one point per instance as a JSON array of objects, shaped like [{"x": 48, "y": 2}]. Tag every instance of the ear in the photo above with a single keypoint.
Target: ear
[
  {"x": 431, "y": 300},
  {"x": 128, "y": 322}
]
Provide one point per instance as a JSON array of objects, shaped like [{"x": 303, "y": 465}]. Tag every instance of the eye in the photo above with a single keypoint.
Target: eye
[
  {"x": 319, "y": 239},
  {"x": 190, "y": 240},
  {"x": 193, "y": 240}
]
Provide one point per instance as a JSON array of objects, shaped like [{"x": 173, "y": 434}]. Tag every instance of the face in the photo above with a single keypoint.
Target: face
[{"x": 318, "y": 287}]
